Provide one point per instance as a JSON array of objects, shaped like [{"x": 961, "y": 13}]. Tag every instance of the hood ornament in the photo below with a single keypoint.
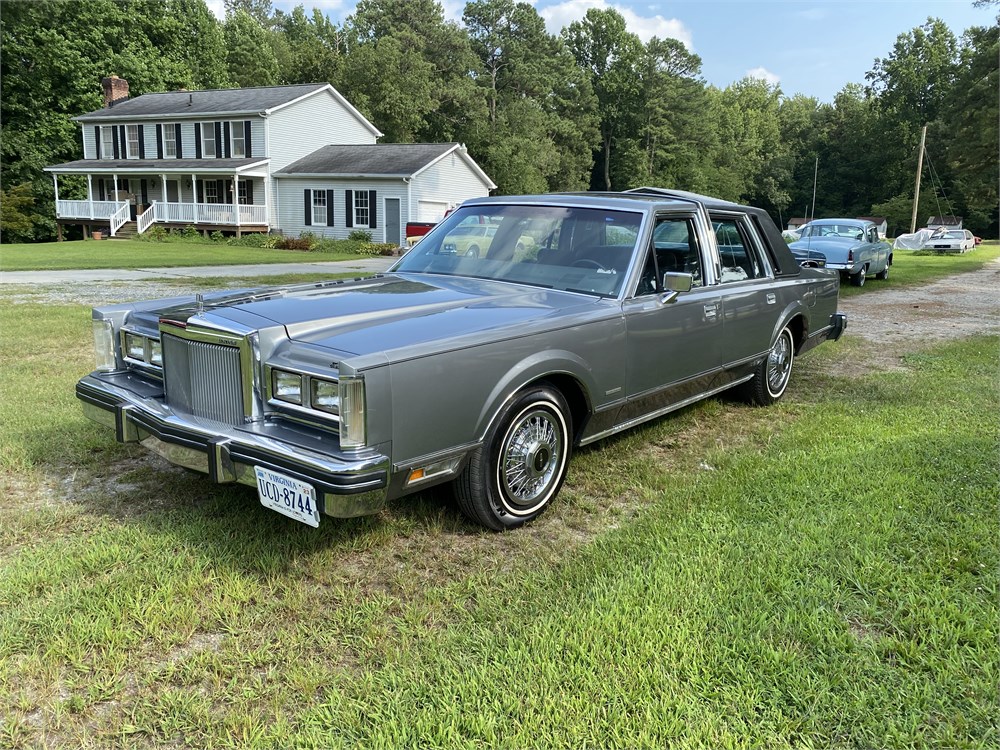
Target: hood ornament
[{"x": 200, "y": 299}]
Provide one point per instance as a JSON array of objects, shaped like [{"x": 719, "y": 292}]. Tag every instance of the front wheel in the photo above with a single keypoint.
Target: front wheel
[
  {"x": 520, "y": 467},
  {"x": 858, "y": 279},
  {"x": 771, "y": 376}
]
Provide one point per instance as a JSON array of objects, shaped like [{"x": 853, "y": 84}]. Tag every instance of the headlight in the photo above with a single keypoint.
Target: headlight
[
  {"x": 286, "y": 386},
  {"x": 324, "y": 396},
  {"x": 135, "y": 346},
  {"x": 353, "y": 430},
  {"x": 104, "y": 346},
  {"x": 155, "y": 353}
]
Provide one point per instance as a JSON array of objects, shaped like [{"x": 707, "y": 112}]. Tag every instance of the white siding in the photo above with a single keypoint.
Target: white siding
[
  {"x": 149, "y": 139},
  {"x": 187, "y": 139},
  {"x": 257, "y": 146},
  {"x": 291, "y": 205},
  {"x": 450, "y": 181},
  {"x": 298, "y": 130}
]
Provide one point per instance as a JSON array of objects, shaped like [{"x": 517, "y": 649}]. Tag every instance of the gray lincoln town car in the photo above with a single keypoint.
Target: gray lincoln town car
[{"x": 580, "y": 316}]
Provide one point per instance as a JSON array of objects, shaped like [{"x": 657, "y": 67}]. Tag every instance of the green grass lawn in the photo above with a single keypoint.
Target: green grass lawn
[
  {"x": 909, "y": 268},
  {"x": 88, "y": 254},
  {"x": 822, "y": 573}
]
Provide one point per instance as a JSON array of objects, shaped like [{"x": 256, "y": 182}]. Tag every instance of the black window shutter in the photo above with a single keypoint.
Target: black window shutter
[
  {"x": 372, "y": 214},
  {"x": 122, "y": 149},
  {"x": 218, "y": 141},
  {"x": 329, "y": 208},
  {"x": 101, "y": 195},
  {"x": 308, "y": 208},
  {"x": 97, "y": 140},
  {"x": 246, "y": 138},
  {"x": 220, "y": 190},
  {"x": 142, "y": 142},
  {"x": 159, "y": 141},
  {"x": 114, "y": 142},
  {"x": 227, "y": 135},
  {"x": 349, "y": 206},
  {"x": 201, "y": 191},
  {"x": 249, "y": 184},
  {"x": 177, "y": 136},
  {"x": 143, "y": 192},
  {"x": 197, "y": 140}
]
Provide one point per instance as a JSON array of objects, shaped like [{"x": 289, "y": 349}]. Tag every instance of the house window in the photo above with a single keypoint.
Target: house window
[
  {"x": 208, "y": 140},
  {"x": 360, "y": 208},
  {"x": 242, "y": 193},
  {"x": 170, "y": 141},
  {"x": 132, "y": 141},
  {"x": 211, "y": 191},
  {"x": 319, "y": 208},
  {"x": 238, "y": 140},
  {"x": 107, "y": 142}
]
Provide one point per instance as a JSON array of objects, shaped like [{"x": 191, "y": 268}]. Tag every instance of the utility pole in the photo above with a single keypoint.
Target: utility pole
[
  {"x": 916, "y": 190},
  {"x": 812, "y": 212}
]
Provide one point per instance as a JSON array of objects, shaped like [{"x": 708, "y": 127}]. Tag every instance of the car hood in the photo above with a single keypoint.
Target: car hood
[{"x": 396, "y": 312}]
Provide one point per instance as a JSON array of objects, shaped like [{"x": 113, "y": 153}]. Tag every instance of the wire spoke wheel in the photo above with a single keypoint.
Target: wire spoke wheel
[
  {"x": 779, "y": 364},
  {"x": 531, "y": 455}
]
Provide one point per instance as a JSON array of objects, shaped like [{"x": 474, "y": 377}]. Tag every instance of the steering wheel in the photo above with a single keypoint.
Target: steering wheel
[{"x": 590, "y": 263}]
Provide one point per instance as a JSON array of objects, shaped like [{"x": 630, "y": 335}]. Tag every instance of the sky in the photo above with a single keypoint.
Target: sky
[{"x": 811, "y": 48}]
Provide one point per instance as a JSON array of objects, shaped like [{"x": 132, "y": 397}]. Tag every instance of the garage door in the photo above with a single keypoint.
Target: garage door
[{"x": 431, "y": 210}]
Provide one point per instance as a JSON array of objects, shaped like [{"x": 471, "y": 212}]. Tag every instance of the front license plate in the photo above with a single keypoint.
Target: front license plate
[{"x": 287, "y": 495}]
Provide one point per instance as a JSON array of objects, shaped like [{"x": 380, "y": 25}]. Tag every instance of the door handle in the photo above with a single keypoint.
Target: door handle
[
  {"x": 771, "y": 299},
  {"x": 711, "y": 311}
]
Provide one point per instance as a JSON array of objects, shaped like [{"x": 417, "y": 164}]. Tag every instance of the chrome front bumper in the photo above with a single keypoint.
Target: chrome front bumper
[{"x": 347, "y": 484}]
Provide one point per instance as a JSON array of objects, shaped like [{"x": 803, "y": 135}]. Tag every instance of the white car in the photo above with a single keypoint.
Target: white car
[{"x": 950, "y": 241}]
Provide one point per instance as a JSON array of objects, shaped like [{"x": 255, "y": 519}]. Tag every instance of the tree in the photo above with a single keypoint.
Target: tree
[
  {"x": 311, "y": 47},
  {"x": 16, "y": 212},
  {"x": 610, "y": 55},
  {"x": 249, "y": 58}
]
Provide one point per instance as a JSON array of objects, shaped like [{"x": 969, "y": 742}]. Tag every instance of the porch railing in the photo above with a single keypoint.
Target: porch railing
[
  {"x": 87, "y": 209},
  {"x": 202, "y": 213},
  {"x": 119, "y": 218}
]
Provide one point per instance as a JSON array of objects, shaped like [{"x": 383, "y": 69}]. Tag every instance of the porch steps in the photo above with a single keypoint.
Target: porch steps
[{"x": 128, "y": 231}]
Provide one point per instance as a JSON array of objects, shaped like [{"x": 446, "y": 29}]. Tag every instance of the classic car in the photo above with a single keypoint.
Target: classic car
[
  {"x": 950, "y": 241},
  {"x": 482, "y": 372},
  {"x": 470, "y": 239},
  {"x": 851, "y": 246}
]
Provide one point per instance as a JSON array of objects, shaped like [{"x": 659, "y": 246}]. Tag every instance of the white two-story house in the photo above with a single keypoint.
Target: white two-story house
[{"x": 220, "y": 159}]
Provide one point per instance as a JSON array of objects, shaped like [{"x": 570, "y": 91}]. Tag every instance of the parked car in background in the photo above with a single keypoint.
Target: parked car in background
[
  {"x": 851, "y": 246},
  {"x": 479, "y": 371},
  {"x": 950, "y": 241},
  {"x": 470, "y": 239}
]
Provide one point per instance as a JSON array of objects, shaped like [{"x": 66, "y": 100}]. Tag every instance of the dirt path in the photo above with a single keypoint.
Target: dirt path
[{"x": 890, "y": 321}]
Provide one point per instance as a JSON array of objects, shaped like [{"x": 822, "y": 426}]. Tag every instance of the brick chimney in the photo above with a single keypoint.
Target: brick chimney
[{"x": 115, "y": 90}]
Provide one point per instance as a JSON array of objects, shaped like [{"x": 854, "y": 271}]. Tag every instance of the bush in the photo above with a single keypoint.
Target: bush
[
  {"x": 155, "y": 233},
  {"x": 376, "y": 248},
  {"x": 217, "y": 236},
  {"x": 360, "y": 235},
  {"x": 293, "y": 243},
  {"x": 268, "y": 241},
  {"x": 188, "y": 232}
]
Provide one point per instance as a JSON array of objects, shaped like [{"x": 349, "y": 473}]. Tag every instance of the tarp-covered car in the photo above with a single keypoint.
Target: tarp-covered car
[{"x": 482, "y": 372}]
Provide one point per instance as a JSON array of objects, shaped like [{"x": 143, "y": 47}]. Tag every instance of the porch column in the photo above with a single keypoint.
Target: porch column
[
  {"x": 55, "y": 186},
  {"x": 194, "y": 197},
  {"x": 90, "y": 194},
  {"x": 115, "y": 178},
  {"x": 236, "y": 200},
  {"x": 163, "y": 194}
]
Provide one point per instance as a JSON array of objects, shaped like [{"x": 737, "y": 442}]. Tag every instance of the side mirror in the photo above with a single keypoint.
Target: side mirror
[{"x": 674, "y": 284}]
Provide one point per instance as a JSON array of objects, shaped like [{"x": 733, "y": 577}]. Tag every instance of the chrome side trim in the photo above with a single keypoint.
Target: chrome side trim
[{"x": 665, "y": 410}]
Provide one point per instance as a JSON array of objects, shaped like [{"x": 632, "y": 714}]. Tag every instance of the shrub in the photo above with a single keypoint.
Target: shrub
[
  {"x": 293, "y": 243},
  {"x": 376, "y": 248},
  {"x": 217, "y": 236},
  {"x": 360, "y": 235},
  {"x": 188, "y": 232},
  {"x": 155, "y": 233},
  {"x": 268, "y": 241}
]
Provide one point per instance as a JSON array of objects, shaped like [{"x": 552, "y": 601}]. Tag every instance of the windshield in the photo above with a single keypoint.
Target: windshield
[
  {"x": 585, "y": 250},
  {"x": 852, "y": 231},
  {"x": 955, "y": 235}
]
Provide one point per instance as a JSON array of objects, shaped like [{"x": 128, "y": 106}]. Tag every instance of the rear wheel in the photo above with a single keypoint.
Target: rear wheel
[
  {"x": 473, "y": 252},
  {"x": 884, "y": 273},
  {"x": 520, "y": 467},
  {"x": 858, "y": 279},
  {"x": 770, "y": 379}
]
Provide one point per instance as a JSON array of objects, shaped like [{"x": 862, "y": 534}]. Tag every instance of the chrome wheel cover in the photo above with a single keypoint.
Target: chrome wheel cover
[
  {"x": 779, "y": 364},
  {"x": 531, "y": 460}
]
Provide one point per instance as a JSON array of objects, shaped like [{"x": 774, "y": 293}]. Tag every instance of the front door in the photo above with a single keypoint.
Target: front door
[
  {"x": 173, "y": 192},
  {"x": 392, "y": 235}
]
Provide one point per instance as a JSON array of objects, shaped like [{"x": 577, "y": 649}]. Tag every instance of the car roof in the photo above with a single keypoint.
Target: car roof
[{"x": 825, "y": 222}]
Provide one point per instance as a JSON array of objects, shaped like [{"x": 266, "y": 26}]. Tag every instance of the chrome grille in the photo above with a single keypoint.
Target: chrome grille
[{"x": 203, "y": 379}]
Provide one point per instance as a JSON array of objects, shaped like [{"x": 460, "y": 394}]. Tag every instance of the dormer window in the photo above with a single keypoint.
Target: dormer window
[
  {"x": 108, "y": 142},
  {"x": 132, "y": 136},
  {"x": 208, "y": 144}
]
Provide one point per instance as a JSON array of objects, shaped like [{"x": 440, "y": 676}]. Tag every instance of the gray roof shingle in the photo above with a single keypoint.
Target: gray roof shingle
[
  {"x": 153, "y": 165},
  {"x": 193, "y": 103},
  {"x": 389, "y": 159}
]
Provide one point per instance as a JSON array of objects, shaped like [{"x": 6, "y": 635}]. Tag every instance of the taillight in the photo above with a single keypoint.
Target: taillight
[{"x": 850, "y": 256}]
